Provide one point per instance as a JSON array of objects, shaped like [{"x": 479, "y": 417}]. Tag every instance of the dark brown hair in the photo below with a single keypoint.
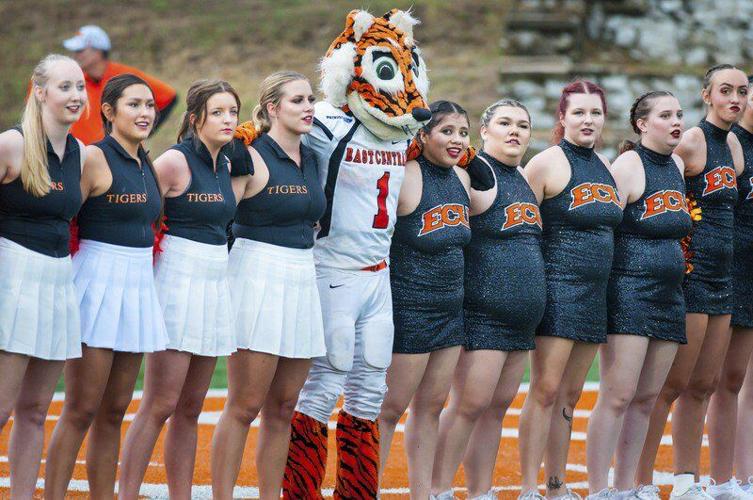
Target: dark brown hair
[
  {"x": 640, "y": 110},
  {"x": 440, "y": 109},
  {"x": 197, "y": 97},
  {"x": 712, "y": 71},
  {"x": 114, "y": 90}
]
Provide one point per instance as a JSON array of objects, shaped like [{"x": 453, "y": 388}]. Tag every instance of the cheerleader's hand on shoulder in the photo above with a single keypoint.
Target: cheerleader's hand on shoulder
[{"x": 481, "y": 175}]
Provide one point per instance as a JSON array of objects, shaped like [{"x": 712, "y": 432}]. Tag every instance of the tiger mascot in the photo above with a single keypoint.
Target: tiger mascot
[{"x": 375, "y": 86}]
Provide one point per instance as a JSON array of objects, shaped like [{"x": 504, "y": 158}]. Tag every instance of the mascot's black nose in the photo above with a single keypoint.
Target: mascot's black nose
[{"x": 421, "y": 114}]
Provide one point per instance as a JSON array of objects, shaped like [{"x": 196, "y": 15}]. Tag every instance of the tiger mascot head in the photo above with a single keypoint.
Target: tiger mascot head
[{"x": 374, "y": 69}]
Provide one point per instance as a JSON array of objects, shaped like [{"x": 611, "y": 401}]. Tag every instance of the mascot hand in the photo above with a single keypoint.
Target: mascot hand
[
  {"x": 415, "y": 148},
  {"x": 246, "y": 132},
  {"x": 481, "y": 175},
  {"x": 241, "y": 162}
]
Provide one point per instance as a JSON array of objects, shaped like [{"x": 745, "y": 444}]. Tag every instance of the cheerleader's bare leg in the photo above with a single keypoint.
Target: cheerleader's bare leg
[
  {"x": 163, "y": 381},
  {"x": 558, "y": 442},
  {"x": 723, "y": 407},
  {"x": 690, "y": 410},
  {"x": 656, "y": 367},
  {"x": 27, "y": 435},
  {"x": 182, "y": 431},
  {"x": 621, "y": 362},
  {"x": 677, "y": 381},
  {"x": 274, "y": 431},
  {"x": 473, "y": 386},
  {"x": 103, "y": 444},
  {"x": 85, "y": 381},
  {"x": 483, "y": 445},
  {"x": 422, "y": 426},
  {"x": 250, "y": 375},
  {"x": 403, "y": 378},
  {"x": 12, "y": 370},
  {"x": 548, "y": 362},
  {"x": 744, "y": 439}
]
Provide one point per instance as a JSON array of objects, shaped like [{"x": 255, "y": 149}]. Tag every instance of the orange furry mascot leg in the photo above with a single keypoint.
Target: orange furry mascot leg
[
  {"x": 307, "y": 459},
  {"x": 357, "y": 458}
]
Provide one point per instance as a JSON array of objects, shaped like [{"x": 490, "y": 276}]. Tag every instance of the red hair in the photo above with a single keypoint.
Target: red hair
[{"x": 576, "y": 87}]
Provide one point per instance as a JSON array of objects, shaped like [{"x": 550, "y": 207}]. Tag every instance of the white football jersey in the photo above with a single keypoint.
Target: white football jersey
[{"x": 361, "y": 175}]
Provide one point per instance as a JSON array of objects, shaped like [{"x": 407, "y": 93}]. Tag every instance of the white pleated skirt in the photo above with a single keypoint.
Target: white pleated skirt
[
  {"x": 117, "y": 298},
  {"x": 192, "y": 286},
  {"x": 39, "y": 314},
  {"x": 275, "y": 300}
]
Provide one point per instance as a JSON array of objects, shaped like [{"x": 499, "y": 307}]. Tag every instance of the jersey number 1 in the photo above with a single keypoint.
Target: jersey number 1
[{"x": 382, "y": 219}]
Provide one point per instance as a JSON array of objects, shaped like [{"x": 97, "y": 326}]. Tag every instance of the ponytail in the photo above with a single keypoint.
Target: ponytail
[
  {"x": 270, "y": 92},
  {"x": 626, "y": 145},
  {"x": 261, "y": 120},
  {"x": 640, "y": 110},
  {"x": 35, "y": 177}
]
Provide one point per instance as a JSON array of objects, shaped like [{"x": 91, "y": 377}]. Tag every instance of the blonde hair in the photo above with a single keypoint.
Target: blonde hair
[
  {"x": 486, "y": 116},
  {"x": 270, "y": 92},
  {"x": 34, "y": 174}
]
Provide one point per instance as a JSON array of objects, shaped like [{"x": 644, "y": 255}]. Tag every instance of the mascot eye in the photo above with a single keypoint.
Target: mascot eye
[
  {"x": 416, "y": 63},
  {"x": 386, "y": 69},
  {"x": 385, "y": 66}
]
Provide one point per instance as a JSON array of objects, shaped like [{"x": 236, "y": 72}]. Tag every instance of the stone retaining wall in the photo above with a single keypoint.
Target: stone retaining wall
[{"x": 628, "y": 47}]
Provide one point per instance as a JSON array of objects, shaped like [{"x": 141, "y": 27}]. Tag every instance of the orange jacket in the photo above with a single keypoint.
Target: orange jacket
[{"x": 89, "y": 127}]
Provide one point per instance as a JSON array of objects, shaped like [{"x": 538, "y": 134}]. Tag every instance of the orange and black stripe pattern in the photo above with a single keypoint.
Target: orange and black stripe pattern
[
  {"x": 357, "y": 458},
  {"x": 385, "y": 35},
  {"x": 307, "y": 459}
]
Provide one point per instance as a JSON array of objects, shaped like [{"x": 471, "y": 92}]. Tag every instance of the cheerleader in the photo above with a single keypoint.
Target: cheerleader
[
  {"x": 505, "y": 294},
  {"x": 579, "y": 208},
  {"x": 40, "y": 169},
  {"x": 727, "y": 437},
  {"x": 120, "y": 313},
  {"x": 646, "y": 309},
  {"x": 426, "y": 277},
  {"x": 191, "y": 281},
  {"x": 712, "y": 158},
  {"x": 274, "y": 298}
]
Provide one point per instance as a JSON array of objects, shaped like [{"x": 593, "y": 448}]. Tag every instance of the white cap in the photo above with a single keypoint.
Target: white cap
[{"x": 88, "y": 36}]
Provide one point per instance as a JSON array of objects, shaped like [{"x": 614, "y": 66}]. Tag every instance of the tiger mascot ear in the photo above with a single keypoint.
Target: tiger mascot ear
[{"x": 374, "y": 69}]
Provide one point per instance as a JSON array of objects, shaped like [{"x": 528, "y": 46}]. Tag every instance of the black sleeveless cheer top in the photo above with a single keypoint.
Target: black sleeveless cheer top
[
  {"x": 125, "y": 213},
  {"x": 202, "y": 212},
  {"x": 285, "y": 212},
  {"x": 42, "y": 224}
]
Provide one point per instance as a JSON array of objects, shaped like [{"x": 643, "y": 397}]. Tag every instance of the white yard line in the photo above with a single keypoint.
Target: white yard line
[{"x": 159, "y": 491}]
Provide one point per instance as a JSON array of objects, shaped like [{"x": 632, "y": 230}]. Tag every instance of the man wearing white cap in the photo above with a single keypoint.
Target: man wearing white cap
[{"x": 91, "y": 47}]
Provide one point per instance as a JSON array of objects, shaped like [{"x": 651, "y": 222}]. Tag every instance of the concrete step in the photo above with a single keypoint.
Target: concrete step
[
  {"x": 556, "y": 21},
  {"x": 522, "y": 66}
]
